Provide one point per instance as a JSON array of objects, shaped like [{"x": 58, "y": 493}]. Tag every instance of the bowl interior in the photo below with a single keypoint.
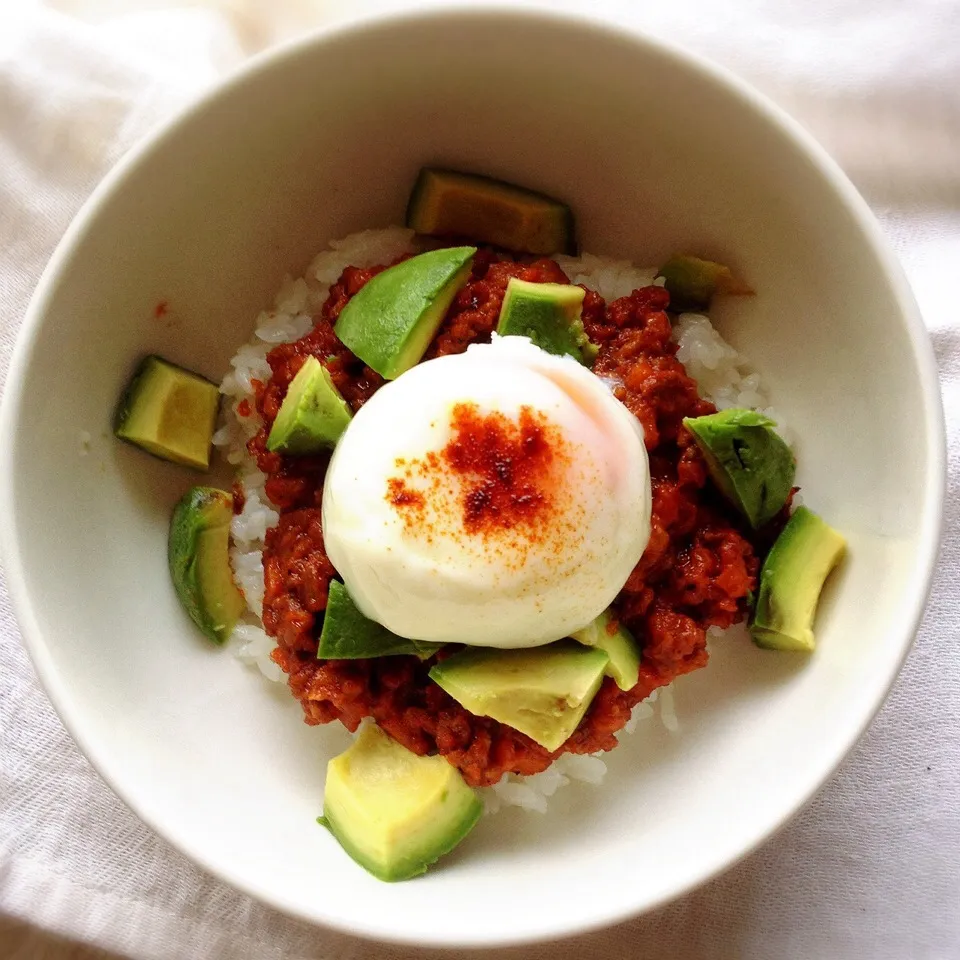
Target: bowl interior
[{"x": 655, "y": 154}]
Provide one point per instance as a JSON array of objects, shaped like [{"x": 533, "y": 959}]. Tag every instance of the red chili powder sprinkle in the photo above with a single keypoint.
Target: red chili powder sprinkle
[
  {"x": 505, "y": 465},
  {"x": 239, "y": 497},
  {"x": 400, "y": 495},
  {"x": 160, "y": 309},
  {"x": 505, "y": 469}
]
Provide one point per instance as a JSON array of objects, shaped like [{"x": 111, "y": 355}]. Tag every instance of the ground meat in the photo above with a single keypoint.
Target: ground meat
[
  {"x": 638, "y": 354},
  {"x": 296, "y": 578},
  {"x": 696, "y": 571},
  {"x": 473, "y": 315}
]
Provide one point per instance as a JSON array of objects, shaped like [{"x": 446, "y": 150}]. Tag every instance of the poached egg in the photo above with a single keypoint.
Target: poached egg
[{"x": 499, "y": 497}]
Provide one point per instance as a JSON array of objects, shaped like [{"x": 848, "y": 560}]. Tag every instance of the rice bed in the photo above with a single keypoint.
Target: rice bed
[{"x": 722, "y": 374}]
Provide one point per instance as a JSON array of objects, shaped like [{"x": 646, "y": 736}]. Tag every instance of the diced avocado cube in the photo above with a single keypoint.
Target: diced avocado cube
[
  {"x": 606, "y": 634},
  {"x": 198, "y": 556},
  {"x": 543, "y": 692},
  {"x": 692, "y": 282},
  {"x": 484, "y": 210},
  {"x": 390, "y": 322},
  {"x": 348, "y": 635},
  {"x": 549, "y": 314},
  {"x": 393, "y": 812},
  {"x": 791, "y": 581},
  {"x": 169, "y": 412},
  {"x": 426, "y": 649},
  {"x": 313, "y": 414},
  {"x": 748, "y": 460}
]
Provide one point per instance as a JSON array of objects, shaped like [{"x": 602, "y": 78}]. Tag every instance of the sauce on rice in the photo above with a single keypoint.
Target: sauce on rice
[{"x": 696, "y": 571}]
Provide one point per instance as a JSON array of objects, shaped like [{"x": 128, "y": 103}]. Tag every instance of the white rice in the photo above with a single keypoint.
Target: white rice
[
  {"x": 610, "y": 278},
  {"x": 722, "y": 376},
  {"x": 288, "y": 320}
]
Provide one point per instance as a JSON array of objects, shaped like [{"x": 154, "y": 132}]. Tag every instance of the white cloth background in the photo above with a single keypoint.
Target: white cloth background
[{"x": 871, "y": 869}]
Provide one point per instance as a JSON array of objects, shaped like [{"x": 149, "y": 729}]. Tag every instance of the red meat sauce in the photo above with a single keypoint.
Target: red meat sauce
[{"x": 696, "y": 571}]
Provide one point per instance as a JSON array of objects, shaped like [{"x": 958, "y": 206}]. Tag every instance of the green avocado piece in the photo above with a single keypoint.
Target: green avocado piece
[
  {"x": 348, "y": 635},
  {"x": 747, "y": 459},
  {"x": 692, "y": 282},
  {"x": 549, "y": 314},
  {"x": 425, "y": 649},
  {"x": 390, "y": 322},
  {"x": 169, "y": 412},
  {"x": 394, "y": 812},
  {"x": 541, "y": 691},
  {"x": 791, "y": 581},
  {"x": 313, "y": 414},
  {"x": 606, "y": 634},
  {"x": 198, "y": 555},
  {"x": 484, "y": 210}
]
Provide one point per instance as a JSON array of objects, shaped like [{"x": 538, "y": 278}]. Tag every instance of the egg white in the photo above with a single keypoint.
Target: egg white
[{"x": 436, "y": 582}]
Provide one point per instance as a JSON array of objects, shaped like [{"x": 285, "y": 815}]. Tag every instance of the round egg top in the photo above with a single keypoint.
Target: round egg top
[{"x": 499, "y": 497}]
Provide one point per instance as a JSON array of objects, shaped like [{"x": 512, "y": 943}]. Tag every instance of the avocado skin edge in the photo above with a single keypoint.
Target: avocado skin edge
[
  {"x": 391, "y": 321},
  {"x": 620, "y": 646},
  {"x": 411, "y": 866},
  {"x": 426, "y": 181},
  {"x": 549, "y": 315},
  {"x": 190, "y": 520},
  {"x": 408, "y": 846},
  {"x": 343, "y": 621},
  {"x": 128, "y": 399},
  {"x": 313, "y": 414},
  {"x": 747, "y": 459},
  {"x": 521, "y": 687},
  {"x": 791, "y": 582}
]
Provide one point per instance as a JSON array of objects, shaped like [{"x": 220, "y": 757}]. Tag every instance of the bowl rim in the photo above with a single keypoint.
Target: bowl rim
[{"x": 601, "y": 23}]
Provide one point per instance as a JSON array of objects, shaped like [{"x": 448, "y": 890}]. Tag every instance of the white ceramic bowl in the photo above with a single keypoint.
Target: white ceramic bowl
[{"x": 655, "y": 150}]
